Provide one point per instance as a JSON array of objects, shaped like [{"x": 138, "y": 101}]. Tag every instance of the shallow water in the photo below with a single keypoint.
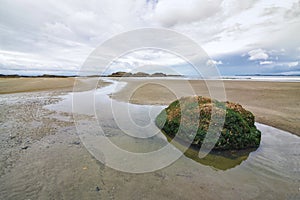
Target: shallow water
[{"x": 271, "y": 171}]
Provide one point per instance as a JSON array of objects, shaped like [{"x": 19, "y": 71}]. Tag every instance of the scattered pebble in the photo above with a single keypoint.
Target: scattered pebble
[
  {"x": 25, "y": 147},
  {"x": 12, "y": 137},
  {"x": 97, "y": 189},
  {"x": 76, "y": 143}
]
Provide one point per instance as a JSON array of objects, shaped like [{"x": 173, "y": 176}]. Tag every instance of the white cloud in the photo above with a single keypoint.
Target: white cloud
[
  {"x": 284, "y": 65},
  {"x": 170, "y": 12},
  {"x": 292, "y": 64},
  {"x": 258, "y": 54},
  {"x": 211, "y": 62},
  {"x": 61, "y": 34},
  {"x": 150, "y": 57},
  {"x": 150, "y": 61},
  {"x": 267, "y": 62}
]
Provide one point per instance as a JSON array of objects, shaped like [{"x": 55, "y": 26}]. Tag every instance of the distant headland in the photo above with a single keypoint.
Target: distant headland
[{"x": 141, "y": 74}]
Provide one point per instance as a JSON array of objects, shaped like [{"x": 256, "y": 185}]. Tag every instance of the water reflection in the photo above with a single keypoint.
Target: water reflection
[{"x": 219, "y": 160}]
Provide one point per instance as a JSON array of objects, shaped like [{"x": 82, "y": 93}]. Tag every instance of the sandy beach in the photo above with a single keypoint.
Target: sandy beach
[
  {"x": 273, "y": 103},
  {"x": 42, "y": 156},
  {"x": 126, "y": 100},
  {"x": 28, "y": 84}
]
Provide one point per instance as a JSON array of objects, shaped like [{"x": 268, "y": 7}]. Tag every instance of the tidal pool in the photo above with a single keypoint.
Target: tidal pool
[{"x": 270, "y": 172}]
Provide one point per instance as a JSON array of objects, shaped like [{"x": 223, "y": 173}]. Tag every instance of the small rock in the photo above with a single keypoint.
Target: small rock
[
  {"x": 76, "y": 143},
  {"x": 12, "y": 137},
  {"x": 25, "y": 147}
]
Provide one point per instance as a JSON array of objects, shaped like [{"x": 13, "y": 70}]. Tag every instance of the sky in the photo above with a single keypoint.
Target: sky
[{"x": 240, "y": 37}]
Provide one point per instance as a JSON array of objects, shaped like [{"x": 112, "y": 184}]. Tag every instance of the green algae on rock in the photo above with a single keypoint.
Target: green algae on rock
[{"x": 237, "y": 132}]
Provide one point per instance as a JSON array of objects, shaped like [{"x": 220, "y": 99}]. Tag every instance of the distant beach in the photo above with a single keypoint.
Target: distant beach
[{"x": 275, "y": 103}]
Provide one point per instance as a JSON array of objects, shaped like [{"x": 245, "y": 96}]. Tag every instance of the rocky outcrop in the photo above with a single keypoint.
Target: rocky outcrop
[{"x": 237, "y": 132}]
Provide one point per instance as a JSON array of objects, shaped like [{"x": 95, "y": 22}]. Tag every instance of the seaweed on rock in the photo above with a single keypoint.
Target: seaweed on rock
[{"x": 237, "y": 132}]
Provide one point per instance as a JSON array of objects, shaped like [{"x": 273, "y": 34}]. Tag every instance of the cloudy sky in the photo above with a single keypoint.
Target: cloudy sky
[{"x": 241, "y": 37}]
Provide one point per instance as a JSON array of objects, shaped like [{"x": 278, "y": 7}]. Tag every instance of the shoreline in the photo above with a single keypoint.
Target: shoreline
[{"x": 273, "y": 103}]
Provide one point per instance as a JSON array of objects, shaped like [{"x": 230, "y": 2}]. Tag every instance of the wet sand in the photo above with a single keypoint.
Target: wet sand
[
  {"x": 42, "y": 157},
  {"x": 273, "y": 103}
]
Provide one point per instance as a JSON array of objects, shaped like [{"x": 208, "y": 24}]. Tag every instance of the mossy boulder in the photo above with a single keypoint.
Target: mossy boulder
[{"x": 237, "y": 132}]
